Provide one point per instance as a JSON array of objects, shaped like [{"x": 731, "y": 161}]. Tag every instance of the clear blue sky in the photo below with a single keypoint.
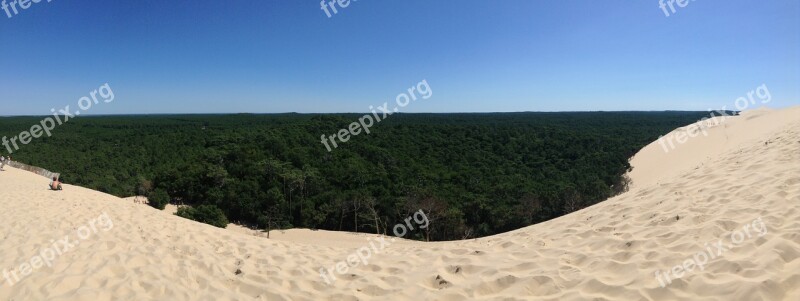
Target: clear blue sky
[{"x": 260, "y": 56}]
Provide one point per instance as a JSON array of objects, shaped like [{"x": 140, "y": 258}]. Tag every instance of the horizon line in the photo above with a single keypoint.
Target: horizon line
[{"x": 357, "y": 113}]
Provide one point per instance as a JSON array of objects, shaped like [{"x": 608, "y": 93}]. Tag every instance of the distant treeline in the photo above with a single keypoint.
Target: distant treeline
[{"x": 473, "y": 174}]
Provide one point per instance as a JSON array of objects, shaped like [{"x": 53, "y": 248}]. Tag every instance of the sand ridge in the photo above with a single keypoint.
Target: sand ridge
[{"x": 609, "y": 251}]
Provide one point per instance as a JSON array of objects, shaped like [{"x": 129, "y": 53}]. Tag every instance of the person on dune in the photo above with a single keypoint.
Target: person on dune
[{"x": 55, "y": 184}]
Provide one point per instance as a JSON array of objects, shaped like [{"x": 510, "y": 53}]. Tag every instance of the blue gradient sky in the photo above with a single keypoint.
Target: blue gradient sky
[{"x": 478, "y": 56}]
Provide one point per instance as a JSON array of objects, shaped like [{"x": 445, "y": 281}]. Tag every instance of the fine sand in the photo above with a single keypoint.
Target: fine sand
[{"x": 682, "y": 202}]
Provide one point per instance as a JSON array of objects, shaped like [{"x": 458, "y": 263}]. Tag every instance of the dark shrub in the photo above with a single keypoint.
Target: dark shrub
[
  {"x": 208, "y": 214},
  {"x": 158, "y": 199}
]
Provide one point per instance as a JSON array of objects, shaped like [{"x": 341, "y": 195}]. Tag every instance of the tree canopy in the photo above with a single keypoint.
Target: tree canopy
[{"x": 474, "y": 174}]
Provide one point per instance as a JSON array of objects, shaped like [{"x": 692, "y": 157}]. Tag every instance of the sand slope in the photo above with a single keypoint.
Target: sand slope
[
  {"x": 609, "y": 251},
  {"x": 661, "y": 161}
]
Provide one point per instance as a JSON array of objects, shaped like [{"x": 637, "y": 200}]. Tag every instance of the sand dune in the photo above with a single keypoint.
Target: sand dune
[
  {"x": 704, "y": 190},
  {"x": 669, "y": 158}
]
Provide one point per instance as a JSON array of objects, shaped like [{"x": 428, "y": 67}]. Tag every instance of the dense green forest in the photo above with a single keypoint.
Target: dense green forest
[{"x": 473, "y": 174}]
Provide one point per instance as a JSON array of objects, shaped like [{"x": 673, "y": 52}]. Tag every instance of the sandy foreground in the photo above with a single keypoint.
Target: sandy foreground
[{"x": 732, "y": 195}]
